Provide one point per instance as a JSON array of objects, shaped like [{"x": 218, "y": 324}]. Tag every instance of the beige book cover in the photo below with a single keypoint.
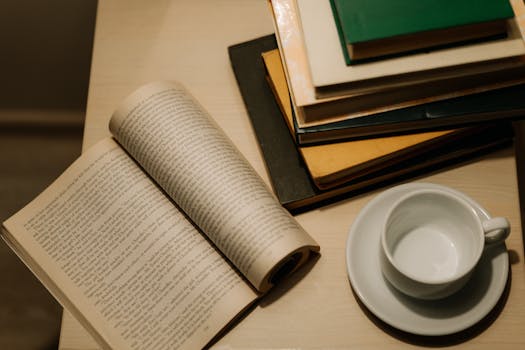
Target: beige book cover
[
  {"x": 311, "y": 110},
  {"x": 328, "y": 67}
]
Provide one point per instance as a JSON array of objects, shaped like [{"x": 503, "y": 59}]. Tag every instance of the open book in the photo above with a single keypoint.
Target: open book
[{"x": 158, "y": 240}]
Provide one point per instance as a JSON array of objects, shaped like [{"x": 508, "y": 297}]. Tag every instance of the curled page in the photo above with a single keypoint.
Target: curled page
[{"x": 181, "y": 147}]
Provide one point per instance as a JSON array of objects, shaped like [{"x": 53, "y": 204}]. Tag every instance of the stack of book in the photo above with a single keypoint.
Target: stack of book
[{"x": 354, "y": 93}]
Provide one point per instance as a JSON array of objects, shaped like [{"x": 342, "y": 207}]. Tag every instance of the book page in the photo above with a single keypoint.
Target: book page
[
  {"x": 116, "y": 251},
  {"x": 181, "y": 147}
]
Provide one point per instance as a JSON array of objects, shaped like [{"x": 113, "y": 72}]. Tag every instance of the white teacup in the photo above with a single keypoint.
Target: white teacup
[{"x": 432, "y": 240}]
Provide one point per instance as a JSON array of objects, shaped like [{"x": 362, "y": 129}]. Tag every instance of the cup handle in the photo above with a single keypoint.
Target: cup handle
[{"x": 496, "y": 230}]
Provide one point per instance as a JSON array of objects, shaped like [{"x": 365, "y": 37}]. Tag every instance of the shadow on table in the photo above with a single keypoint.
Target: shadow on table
[{"x": 450, "y": 339}]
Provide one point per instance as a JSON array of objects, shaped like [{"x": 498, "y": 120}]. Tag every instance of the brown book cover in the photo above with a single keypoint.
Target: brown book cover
[{"x": 334, "y": 163}]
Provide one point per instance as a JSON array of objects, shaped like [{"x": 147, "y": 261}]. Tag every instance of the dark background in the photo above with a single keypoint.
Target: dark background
[{"x": 45, "y": 55}]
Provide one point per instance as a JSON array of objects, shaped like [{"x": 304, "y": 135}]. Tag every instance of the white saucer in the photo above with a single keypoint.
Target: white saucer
[{"x": 430, "y": 318}]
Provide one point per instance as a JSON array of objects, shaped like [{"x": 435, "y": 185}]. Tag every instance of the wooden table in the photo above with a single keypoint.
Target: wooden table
[{"x": 138, "y": 41}]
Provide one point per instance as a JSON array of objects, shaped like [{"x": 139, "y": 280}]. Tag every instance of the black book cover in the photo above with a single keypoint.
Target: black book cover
[
  {"x": 290, "y": 178},
  {"x": 498, "y": 104}
]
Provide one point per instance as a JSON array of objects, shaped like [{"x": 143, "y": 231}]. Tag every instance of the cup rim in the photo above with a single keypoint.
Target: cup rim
[{"x": 440, "y": 281}]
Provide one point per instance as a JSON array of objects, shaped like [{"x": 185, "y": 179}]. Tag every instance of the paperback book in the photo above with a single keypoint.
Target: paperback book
[{"x": 165, "y": 226}]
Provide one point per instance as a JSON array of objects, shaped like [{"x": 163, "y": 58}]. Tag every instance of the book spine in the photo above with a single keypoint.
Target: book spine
[{"x": 341, "y": 35}]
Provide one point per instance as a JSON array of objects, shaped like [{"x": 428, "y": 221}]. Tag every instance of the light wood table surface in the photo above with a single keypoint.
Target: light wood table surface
[{"x": 140, "y": 41}]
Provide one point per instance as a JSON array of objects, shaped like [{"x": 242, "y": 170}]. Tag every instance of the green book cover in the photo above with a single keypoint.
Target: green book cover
[{"x": 360, "y": 21}]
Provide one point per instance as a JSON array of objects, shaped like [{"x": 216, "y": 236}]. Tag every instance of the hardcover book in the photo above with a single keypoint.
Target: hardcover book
[
  {"x": 311, "y": 109},
  {"x": 289, "y": 175},
  {"x": 498, "y": 104},
  {"x": 328, "y": 67},
  {"x": 372, "y": 28},
  {"x": 332, "y": 164}
]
